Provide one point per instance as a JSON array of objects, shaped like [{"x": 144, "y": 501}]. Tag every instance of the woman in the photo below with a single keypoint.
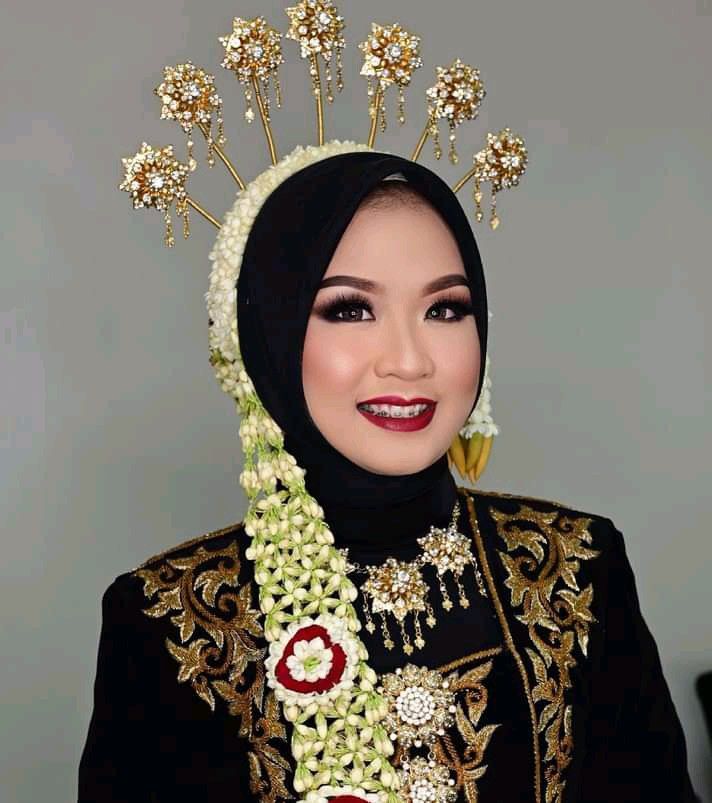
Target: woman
[{"x": 503, "y": 655}]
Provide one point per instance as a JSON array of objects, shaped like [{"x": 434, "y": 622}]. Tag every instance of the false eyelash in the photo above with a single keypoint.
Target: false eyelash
[{"x": 355, "y": 300}]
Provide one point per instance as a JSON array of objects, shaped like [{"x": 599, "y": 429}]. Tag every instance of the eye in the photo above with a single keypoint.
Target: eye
[
  {"x": 347, "y": 307},
  {"x": 459, "y": 308},
  {"x": 348, "y": 304}
]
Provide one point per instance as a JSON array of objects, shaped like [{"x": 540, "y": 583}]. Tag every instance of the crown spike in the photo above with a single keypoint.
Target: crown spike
[
  {"x": 374, "y": 111},
  {"x": 502, "y": 162},
  {"x": 461, "y": 183},
  {"x": 314, "y": 70},
  {"x": 262, "y": 105},
  {"x": 188, "y": 96},
  {"x": 317, "y": 26},
  {"x": 154, "y": 177},
  {"x": 221, "y": 154},
  {"x": 253, "y": 51},
  {"x": 202, "y": 211},
  {"x": 456, "y": 96},
  {"x": 391, "y": 55},
  {"x": 419, "y": 147}
]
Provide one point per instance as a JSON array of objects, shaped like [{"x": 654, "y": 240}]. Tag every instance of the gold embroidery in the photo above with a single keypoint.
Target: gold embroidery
[
  {"x": 202, "y": 588},
  {"x": 471, "y": 658},
  {"x": 469, "y": 766},
  {"x": 505, "y": 495},
  {"x": 190, "y": 585},
  {"x": 556, "y": 617},
  {"x": 507, "y": 636},
  {"x": 267, "y": 765},
  {"x": 191, "y": 542}
]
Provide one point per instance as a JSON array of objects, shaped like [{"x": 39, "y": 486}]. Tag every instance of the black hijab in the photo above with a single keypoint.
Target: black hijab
[{"x": 286, "y": 255}]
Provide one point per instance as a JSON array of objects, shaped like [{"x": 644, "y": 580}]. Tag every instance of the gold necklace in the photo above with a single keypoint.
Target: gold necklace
[{"x": 398, "y": 588}]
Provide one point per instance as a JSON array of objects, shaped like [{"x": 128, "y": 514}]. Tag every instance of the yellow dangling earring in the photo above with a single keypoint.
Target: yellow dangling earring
[
  {"x": 471, "y": 447},
  {"x": 470, "y": 455}
]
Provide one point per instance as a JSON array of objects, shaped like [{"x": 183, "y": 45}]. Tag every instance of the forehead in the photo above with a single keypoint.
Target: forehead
[{"x": 401, "y": 242}]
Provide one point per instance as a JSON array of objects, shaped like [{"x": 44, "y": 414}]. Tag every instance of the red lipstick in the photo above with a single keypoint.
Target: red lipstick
[
  {"x": 396, "y": 400},
  {"x": 400, "y": 424}
]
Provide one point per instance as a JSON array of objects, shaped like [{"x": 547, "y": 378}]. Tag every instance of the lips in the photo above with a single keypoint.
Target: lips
[
  {"x": 399, "y": 424},
  {"x": 397, "y": 400}
]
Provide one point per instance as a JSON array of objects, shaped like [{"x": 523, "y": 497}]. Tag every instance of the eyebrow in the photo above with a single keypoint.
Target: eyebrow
[{"x": 368, "y": 286}]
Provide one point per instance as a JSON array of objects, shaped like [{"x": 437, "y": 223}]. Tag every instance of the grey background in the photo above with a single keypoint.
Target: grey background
[{"x": 116, "y": 440}]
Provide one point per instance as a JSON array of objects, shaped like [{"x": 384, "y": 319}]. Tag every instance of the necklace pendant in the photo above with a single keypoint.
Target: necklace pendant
[
  {"x": 370, "y": 624},
  {"x": 449, "y": 551},
  {"x": 398, "y": 589}
]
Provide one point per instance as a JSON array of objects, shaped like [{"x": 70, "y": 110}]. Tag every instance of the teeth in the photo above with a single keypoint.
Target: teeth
[{"x": 395, "y": 410}]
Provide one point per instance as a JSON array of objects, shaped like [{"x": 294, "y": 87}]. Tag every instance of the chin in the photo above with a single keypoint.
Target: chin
[{"x": 396, "y": 467}]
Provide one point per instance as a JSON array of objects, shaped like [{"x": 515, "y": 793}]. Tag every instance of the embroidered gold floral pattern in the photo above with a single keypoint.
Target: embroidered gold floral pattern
[
  {"x": 267, "y": 765},
  {"x": 218, "y": 650},
  {"x": 544, "y": 550},
  {"x": 468, "y": 764}
]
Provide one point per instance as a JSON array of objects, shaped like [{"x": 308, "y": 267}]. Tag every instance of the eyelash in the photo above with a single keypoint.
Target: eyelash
[{"x": 330, "y": 310}]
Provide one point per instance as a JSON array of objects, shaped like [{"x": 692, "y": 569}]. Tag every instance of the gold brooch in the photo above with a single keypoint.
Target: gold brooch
[
  {"x": 398, "y": 588},
  {"x": 421, "y": 707}
]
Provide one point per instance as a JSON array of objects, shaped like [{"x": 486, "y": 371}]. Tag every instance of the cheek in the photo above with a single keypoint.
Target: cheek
[
  {"x": 459, "y": 362},
  {"x": 330, "y": 364}
]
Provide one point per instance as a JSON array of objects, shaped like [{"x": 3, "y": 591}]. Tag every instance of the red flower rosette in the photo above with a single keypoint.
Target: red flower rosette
[
  {"x": 341, "y": 794},
  {"x": 314, "y": 660}
]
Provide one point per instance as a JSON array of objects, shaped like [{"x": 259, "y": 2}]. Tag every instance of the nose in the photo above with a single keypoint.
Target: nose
[{"x": 403, "y": 351}]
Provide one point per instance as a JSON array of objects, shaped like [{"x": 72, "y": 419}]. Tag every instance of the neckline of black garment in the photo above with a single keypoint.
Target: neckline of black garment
[{"x": 374, "y": 533}]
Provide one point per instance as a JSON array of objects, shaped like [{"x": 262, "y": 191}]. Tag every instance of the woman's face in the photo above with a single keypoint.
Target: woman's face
[{"x": 380, "y": 327}]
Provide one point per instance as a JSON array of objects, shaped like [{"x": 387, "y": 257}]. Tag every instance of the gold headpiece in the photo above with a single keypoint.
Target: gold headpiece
[{"x": 155, "y": 177}]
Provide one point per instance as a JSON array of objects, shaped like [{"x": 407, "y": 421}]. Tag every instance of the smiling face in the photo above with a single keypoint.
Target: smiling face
[{"x": 392, "y": 317}]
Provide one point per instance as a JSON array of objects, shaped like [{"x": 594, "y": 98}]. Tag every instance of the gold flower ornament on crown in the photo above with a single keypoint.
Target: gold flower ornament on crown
[{"x": 155, "y": 177}]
